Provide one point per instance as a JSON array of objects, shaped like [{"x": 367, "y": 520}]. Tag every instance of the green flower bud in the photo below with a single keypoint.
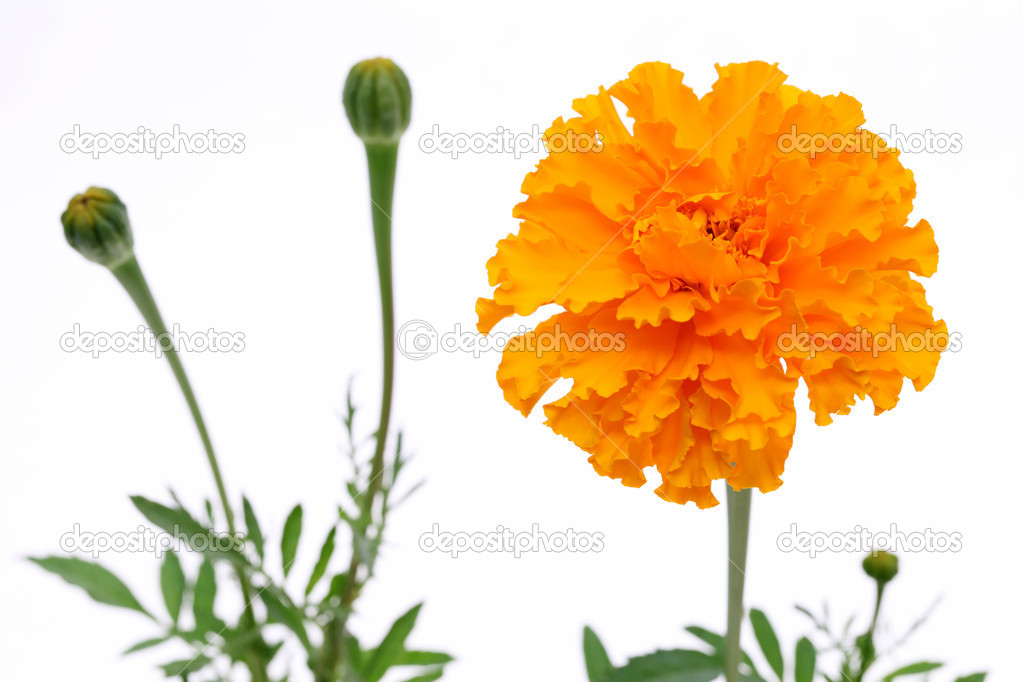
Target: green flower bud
[
  {"x": 378, "y": 101},
  {"x": 881, "y": 566},
  {"x": 96, "y": 225}
]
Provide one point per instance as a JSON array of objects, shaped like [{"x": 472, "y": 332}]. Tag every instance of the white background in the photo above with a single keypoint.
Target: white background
[{"x": 275, "y": 243}]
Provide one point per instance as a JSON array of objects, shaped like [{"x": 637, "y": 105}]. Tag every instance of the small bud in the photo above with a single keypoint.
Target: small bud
[
  {"x": 881, "y": 566},
  {"x": 96, "y": 225},
  {"x": 378, "y": 101}
]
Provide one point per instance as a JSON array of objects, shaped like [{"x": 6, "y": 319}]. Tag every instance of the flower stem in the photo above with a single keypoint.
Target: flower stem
[
  {"x": 739, "y": 502},
  {"x": 129, "y": 274},
  {"x": 383, "y": 163}
]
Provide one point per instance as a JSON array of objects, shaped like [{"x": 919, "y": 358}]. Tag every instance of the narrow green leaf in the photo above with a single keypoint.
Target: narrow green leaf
[
  {"x": 424, "y": 658},
  {"x": 718, "y": 643},
  {"x": 181, "y": 525},
  {"x": 806, "y": 660},
  {"x": 172, "y": 584},
  {"x": 598, "y": 665},
  {"x": 145, "y": 644},
  {"x": 203, "y": 598},
  {"x": 912, "y": 669},
  {"x": 326, "y": 552},
  {"x": 975, "y": 677},
  {"x": 279, "y": 609},
  {"x": 255, "y": 534},
  {"x": 680, "y": 665},
  {"x": 99, "y": 583},
  {"x": 768, "y": 642},
  {"x": 289, "y": 538},
  {"x": 427, "y": 677},
  {"x": 186, "y": 666},
  {"x": 392, "y": 646}
]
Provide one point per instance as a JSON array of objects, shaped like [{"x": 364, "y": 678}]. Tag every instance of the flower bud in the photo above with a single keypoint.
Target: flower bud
[
  {"x": 881, "y": 566},
  {"x": 378, "y": 101},
  {"x": 96, "y": 225}
]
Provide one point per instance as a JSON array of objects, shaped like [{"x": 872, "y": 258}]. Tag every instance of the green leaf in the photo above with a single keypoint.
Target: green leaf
[
  {"x": 427, "y": 677},
  {"x": 252, "y": 527},
  {"x": 145, "y": 644},
  {"x": 289, "y": 539},
  {"x": 392, "y": 646},
  {"x": 172, "y": 584},
  {"x": 279, "y": 609},
  {"x": 912, "y": 669},
  {"x": 181, "y": 525},
  {"x": 99, "y": 583},
  {"x": 718, "y": 643},
  {"x": 680, "y": 665},
  {"x": 185, "y": 666},
  {"x": 598, "y": 665},
  {"x": 424, "y": 658},
  {"x": 806, "y": 660},
  {"x": 326, "y": 552},
  {"x": 203, "y": 598},
  {"x": 975, "y": 677},
  {"x": 768, "y": 642}
]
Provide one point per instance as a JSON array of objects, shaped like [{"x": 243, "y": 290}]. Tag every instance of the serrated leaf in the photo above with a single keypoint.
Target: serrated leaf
[
  {"x": 326, "y": 552},
  {"x": 172, "y": 584},
  {"x": 392, "y": 646},
  {"x": 598, "y": 665},
  {"x": 252, "y": 529},
  {"x": 806, "y": 660},
  {"x": 768, "y": 641},
  {"x": 912, "y": 669},
  {"x": 99, "y": 583},
  {"x": 203, "y": 598},
  {"x": 679, "y": 665},
  {"x": 289, "y": 538}
]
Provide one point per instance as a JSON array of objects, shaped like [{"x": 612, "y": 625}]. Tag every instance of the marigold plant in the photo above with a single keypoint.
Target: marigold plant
[{"x": 710, "y": 233}]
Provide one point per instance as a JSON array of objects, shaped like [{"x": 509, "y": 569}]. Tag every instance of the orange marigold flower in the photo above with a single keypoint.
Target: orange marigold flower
[{"x": 708, "y": 235}]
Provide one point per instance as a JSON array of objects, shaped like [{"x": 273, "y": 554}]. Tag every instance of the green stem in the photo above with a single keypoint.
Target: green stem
[
  {"x": 868, "y": 652},
  {"x": 739, "y": 503},
  {"x": 383, "y": 163},
  {"x": 129, "y": 274}
]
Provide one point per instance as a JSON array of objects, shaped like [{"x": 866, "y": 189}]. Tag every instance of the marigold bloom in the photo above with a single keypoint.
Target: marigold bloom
[{"x": 706, "y": 235}]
